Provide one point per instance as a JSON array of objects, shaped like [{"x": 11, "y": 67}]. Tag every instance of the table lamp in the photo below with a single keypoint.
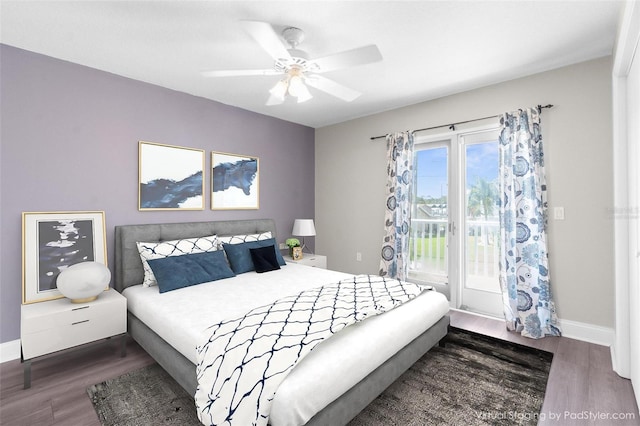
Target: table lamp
[{"x": 303, "y": 228}]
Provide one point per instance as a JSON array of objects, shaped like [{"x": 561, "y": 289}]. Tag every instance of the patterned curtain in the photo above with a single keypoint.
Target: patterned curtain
[
  {"x": 397, "y": 220},
  {"x": 524, "y": 266}
]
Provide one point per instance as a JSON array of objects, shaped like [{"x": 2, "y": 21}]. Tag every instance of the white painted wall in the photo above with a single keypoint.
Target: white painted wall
[{"x": 577, "y": 132}]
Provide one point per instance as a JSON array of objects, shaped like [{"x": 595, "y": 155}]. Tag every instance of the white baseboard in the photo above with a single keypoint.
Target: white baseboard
[
  {"x": 620, "y": 365},
  {"x": 572, "y": 329},
  {"x": 9, "y": 350},
  {"x": 599, "y": 335}
]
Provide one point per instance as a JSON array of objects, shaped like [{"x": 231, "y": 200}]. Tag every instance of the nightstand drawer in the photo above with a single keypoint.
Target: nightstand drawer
[
  {"x": 315, "y": 261},
  {"x": 33, "y": 322},
  {"x": 63, "y": 337}
]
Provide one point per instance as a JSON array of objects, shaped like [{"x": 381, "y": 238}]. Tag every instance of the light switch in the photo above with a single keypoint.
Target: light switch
[{"x": 558, "y": 213}]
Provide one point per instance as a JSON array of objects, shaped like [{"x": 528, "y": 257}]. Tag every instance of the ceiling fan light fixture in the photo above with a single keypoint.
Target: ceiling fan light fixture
[
  {"x": 297, "y": 88},
  {"x": 295, "y": 85},
  {"x": 279, "y": 91},
  {"x": 302, "y": 93},
  {"x": 291, "y": 85}
]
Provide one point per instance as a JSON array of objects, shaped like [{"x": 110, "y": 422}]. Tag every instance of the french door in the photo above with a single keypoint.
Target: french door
[{"x": 455, "y": 226}]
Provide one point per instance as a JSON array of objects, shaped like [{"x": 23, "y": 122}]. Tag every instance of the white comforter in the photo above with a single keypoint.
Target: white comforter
[
  {"x": 180, "y": 317},
  {"x": 242, "y": 364}
]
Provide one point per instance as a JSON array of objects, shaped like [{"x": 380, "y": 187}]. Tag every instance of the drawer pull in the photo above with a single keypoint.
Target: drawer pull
[
  {"x": 82, "y": 307},
  {"x": 79, "y": 322}
]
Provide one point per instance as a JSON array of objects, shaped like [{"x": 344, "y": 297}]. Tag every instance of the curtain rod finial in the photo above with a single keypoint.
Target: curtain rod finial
[{"x": 540, "y": 107}]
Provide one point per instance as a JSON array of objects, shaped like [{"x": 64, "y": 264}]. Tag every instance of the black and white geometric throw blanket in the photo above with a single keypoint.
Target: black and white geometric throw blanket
[{"x": 244, "y": 360}]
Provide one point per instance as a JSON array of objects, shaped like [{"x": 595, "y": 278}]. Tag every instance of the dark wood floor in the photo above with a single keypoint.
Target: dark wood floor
[{"x": 581, "y": 383}]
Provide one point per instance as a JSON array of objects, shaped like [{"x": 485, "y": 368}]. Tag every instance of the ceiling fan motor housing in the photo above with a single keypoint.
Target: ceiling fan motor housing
[
  {"x": 299, "y": 59},
  {"x": 294, "y": 36}
]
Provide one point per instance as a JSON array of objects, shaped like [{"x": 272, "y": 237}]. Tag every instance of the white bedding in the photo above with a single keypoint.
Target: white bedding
[{"x": 181, "y": 316}]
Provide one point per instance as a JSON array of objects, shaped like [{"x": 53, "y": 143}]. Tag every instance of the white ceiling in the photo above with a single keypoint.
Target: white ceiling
[{"x": 430, "y": 48}]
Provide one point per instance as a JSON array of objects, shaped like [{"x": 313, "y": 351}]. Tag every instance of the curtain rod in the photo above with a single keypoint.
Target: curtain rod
[{"x": 452, "y": 126}]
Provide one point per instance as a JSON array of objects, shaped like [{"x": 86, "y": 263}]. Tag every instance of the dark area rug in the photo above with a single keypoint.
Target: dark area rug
[
  {"x": 144, "y": 397},
  {"x": 473, "y": 380}
]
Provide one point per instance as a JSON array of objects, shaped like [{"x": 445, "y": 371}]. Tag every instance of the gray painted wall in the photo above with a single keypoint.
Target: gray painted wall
[
  {"x": 70, "y": 142},
  {"x": 579, "y": 152}
]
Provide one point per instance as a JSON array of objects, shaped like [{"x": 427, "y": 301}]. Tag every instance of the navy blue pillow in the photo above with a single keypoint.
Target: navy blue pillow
[
  {"x": 264, "y": 259},
  {"x": 176, "y": 272},
  {"x": 240, "y": 258}
]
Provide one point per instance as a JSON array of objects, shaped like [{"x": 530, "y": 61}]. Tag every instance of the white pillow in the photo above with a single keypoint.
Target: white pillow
[
  {"x": 237, "y": 239},
  {"x": 159, "y": 250}
]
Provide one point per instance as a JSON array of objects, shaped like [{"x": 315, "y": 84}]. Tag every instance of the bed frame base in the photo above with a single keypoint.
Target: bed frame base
[{"x": 177, "y": 365}]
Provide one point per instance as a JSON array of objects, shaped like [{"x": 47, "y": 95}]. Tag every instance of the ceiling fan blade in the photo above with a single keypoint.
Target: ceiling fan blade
[
  {"x": 236, "y": 73},
  {"x": 267, "y": 38},
  {"x": 332, "y": 88},
  {"x": 274, "y": 100},
  {"x": 349, "y": 58}
]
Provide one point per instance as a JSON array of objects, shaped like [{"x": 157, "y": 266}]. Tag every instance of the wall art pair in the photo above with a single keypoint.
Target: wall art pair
[{"x": 172, "y": 178}]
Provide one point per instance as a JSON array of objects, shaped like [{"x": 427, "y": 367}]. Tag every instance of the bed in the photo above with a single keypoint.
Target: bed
[{"x": 171, "y": 350}]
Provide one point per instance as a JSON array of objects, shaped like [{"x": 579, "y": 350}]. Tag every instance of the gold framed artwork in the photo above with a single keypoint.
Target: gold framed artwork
[
  {"x": 53, "y": 241},
  {"x": 170, "y": 177},
  {"x": 296, "y": 253},
  {"x": 235, "y": 181}
]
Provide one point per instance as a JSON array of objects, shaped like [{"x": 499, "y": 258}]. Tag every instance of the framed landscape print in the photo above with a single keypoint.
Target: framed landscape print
[
  {"x": 235, "y": 181},
  {"x": 170, "y": 177},
  {"x": 53, "y": 241}
]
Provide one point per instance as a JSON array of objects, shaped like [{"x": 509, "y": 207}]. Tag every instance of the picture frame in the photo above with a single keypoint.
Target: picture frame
[
  {"x": 170, "y": 177},
  {"x": 235, "y": 181},
  {"x": 296, "y": 253},
  {"x": 53, "y": 241}
]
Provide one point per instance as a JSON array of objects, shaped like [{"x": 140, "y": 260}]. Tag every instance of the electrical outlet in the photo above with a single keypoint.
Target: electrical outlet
[
  {"x": 558, "y": 213},
  {"x": 359, "y": 256},
  {"x": 283, "y": 246}
]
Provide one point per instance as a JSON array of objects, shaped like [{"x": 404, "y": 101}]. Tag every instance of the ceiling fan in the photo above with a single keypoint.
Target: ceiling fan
[{"x": 297, "y": 68}]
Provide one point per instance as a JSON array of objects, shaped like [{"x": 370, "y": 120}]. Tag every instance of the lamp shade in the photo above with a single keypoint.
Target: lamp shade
[
  {"x": 279, "y": 91},
  {"x": 84, "y": 281},
  {"x": 303, "y": 228}
]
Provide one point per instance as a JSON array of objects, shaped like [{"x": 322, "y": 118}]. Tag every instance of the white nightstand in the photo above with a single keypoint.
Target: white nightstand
[
  {"x": 316, "y": 260},
  {"x": 52, "y": 326}
]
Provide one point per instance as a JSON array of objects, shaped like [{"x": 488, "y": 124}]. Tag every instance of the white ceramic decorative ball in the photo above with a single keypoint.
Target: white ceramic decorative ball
[{"x": 84, "y": 281}]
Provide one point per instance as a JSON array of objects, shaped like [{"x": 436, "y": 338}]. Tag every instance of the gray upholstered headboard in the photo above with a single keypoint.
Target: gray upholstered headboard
[{"x": 128, "y": 268}]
